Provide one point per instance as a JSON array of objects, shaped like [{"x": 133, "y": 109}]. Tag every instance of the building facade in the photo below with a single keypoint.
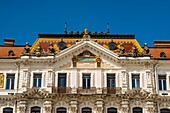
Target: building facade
[{"x": 84, "y": 73}]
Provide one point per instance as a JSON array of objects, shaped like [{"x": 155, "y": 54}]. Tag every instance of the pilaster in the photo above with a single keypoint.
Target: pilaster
[{"x": 48, "y": 106}]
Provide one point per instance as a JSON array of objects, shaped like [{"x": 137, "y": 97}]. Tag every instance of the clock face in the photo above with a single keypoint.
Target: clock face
[
  {"x": 112, "y": 46},
  {"x": 62, "y": 45}
]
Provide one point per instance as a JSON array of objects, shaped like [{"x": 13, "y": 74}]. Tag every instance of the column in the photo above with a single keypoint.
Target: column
[
  {"x": 125, "y": 106},
  {"x": 22, "y": 106},
  {"x": 48, "y": 106},
  {"x": 149, "y": 81},
  {"x": 50, "y": 81},
  {"x": 150, "y": 108},
  {"x": 25, "y": 80},
  {"x": 99, "y": 106},
  {"x": 125, "y": 81},
  {"x": 73, "y": 106}
]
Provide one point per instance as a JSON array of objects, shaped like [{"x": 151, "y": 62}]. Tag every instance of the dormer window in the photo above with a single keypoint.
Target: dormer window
[
  {"x": 162, "y": 55},
  {"x": 11, "y": 53}
]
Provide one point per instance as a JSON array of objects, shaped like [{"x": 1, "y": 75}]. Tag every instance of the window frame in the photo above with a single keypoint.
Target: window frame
[
  {"x": 62, "y": 80},
  {"x": 86, "y": 80},
  {"x": 37, "y": 79},
  {"x": 135, "y": 81},
  {"x": 10, "y": 81},
  {"x": 8, "y": 108},
  {"x": 35, "y": 111},
  {"x": 111, "y": 77},
  {"x": 162, "y": 80}
]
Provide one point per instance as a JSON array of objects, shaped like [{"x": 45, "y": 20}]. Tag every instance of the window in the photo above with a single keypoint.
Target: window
[
  {"x": 135, "y": 81},
  {"x": 162, "y": 55},
  {"x": 62, "y": 80},
  {"x": 112, "y": 110},
  {"x": 137, "y": 110},
  {"x": 86, "y": 110},
  {"x": 37, "y": 80},
  {"x": 10, "y": 53},
  {"x": 111, "y": 83},
  {"x": 165, "y": 110},
  {"x": 61, "y": 110},
  {"x": 162, "y": 82},
  {"x": 86, "y": 81},
  {"x": 10, "y": 80},
  {"x": 36, "y": 109},
  {"x": 8, "y": 110}
]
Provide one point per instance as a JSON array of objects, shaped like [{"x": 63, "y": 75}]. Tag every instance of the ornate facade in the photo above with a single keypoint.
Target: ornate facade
[{"x": 84, "y": 73}]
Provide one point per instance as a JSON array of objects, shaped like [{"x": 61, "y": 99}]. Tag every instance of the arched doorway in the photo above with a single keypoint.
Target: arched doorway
[
  {"x": 137, "y": 110},
  {"x": 61, "y": 110},
  {"x": 112, "y": 110},
  {"x": 164, "y": 110},
  {"x": 8, "y": 110},
  {"x": 35, "y": 109},
  {"x": 86, "y": 110}
]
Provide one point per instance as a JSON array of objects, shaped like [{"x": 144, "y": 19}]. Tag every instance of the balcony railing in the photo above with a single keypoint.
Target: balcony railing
[
  {"x": 62, "y": 90},
  {"x": 114, "y": 90},
  {"x": 91, "y": 90}
]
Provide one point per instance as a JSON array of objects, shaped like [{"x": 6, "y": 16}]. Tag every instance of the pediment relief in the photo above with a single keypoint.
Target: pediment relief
[
  {"x": 35, "y": 93},
  {"x": 137, "y": 93}
]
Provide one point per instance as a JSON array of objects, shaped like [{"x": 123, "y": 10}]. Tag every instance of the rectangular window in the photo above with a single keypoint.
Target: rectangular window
[
  {"x": 135, "y": 81},
  {"x": 62, "y": 80},
  {"x": 37, "y": 78},
  {"x": 86, "y": 81},
  {"x": 111, "y": 82},
  {"x": 162, "y": 82},
  {"x": 10, "y": 80}
]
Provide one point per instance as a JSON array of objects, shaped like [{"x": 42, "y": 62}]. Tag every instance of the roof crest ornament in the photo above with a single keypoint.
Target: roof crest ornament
[{"x": 86, "y": 35}]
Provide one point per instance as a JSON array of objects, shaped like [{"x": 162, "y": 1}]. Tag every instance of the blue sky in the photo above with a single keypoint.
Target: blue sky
[{"x": 23, "y": 20}]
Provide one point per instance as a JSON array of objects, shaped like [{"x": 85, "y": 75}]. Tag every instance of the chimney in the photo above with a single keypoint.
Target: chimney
[{"x": 9, "y": 42}]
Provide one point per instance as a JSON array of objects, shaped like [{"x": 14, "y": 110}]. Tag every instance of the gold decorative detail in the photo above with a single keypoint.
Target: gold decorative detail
[
  {"x": 1, "y": 80},
  {"x": 74, "y": 59},
  {"x": 98, "y": 61},
  {"x": 86, "y": 32}
]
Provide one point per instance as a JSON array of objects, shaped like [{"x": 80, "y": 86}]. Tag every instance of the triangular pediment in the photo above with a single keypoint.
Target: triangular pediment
[
  {"x": 94, "y": 50},
  {"x": 34, "y": 93},
  {"x": 137, "y": 93}
]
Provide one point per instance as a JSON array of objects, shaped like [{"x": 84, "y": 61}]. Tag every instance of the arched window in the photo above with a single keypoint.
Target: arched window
[
  {"x": 61, "y": 110},
  {"x": 8, "y": 110},
  {"x": 162, "y": 55},
  {"x": 86, "y": 110},
  {"x": 165, "y": 110},
  {"x": 10, "y": 53},
  {"x": 36, "y": 109},
  {"x": 137, "y": 110},
  {"x": 112, "y": 110}
]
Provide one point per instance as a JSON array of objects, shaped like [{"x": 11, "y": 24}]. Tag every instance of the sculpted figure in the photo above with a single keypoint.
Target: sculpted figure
[{"x": 26, "y": 50}]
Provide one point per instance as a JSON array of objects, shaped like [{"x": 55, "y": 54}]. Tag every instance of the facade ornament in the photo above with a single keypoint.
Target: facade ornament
[
  {"x": 48, "y": 109},
  {"x": 1, "y": 80},
  {"x": 121, "y": 50},
  {"x": 22, "y": 109},
  {"x": 145, "y": 50},
  {"x": 134, "y": 52},
  {"x": 99, "y": 109},
  {"x": 51, "y": 49},
  {"x": 86, "y": 35},
  {"x": 38, "y": 51},
  {"x": 125, "y": 109},
  {"x": 74, "y": 60},
  {"x": 26, "y": 50},
  {"x": 98, "y": 61},
  {"x": 73, "y": 109}
]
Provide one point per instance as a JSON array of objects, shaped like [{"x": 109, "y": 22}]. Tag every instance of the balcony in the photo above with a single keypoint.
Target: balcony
[
  {"x": 61, "y": 90},
  {"x": 115, "y": 90},
  {"x": 91, "y": 90}
]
